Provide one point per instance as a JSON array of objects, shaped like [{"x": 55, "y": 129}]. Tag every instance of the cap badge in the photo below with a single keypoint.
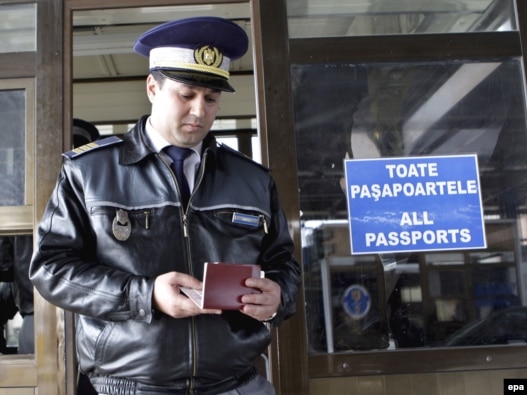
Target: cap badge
[{"x": 208, "y": 56}]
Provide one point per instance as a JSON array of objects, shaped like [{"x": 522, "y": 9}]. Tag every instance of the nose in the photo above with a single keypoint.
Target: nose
[{"x": 198, "y": 107}]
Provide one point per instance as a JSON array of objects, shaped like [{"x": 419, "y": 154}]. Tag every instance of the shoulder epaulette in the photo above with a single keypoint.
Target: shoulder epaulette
[
  {"x": 94, "y": 145},
  {"x": 241, "y": 155}
]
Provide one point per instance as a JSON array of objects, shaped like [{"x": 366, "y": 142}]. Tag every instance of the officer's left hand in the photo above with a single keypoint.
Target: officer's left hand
[{"x": 262, "y": 305}]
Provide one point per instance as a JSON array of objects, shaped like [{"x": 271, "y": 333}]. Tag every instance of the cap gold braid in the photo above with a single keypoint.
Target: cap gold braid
[{"x": 205, "y": 59}]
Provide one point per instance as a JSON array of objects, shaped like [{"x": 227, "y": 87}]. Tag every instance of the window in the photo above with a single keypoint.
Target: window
[
  {"x": 17, "y": 154},
  {"x": 420, "y": 300},
  {"x": 18, "y": 28},
  {"x": 335, "y": 18}
]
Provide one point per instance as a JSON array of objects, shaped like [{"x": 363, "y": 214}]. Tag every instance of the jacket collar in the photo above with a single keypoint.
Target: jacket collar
[{"x": 135, "y": 149}]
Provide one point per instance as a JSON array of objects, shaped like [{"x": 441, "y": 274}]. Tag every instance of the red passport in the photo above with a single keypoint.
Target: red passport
[{"x": 223, "y": 285}]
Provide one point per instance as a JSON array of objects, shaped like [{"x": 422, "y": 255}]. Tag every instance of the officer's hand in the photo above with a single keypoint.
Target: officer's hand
[
  {"x": 261, "y": 306},
  {"x": 168, "y": 299}
]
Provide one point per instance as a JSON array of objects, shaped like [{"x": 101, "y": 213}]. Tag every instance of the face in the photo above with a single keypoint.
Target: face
[{"x": 182, "y": 113}]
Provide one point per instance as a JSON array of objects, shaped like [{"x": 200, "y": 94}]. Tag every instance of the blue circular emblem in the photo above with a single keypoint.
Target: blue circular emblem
[{"x": 356, "y": 301}]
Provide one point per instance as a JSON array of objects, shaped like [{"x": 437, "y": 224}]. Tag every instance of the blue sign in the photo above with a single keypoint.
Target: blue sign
[{"x": 428, "y": 203}]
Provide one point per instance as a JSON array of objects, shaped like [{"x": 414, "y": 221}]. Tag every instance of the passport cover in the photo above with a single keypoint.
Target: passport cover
[{"x": 223, "y": 285}]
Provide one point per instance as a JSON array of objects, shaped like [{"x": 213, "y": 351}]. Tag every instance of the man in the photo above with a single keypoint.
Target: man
[
  {"x": 118, "y": 239},
  {"x": 84, "y": 132},
  {"x": 17, "y": 295},
  {"x": 8, "y": 307}
]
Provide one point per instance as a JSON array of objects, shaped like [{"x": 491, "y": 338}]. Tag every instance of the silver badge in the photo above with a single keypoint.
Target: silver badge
[{"x": 121, "y": 226}]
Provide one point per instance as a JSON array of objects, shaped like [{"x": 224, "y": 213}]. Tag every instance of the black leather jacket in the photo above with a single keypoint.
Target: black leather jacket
[{"x": 80, "y": 265}]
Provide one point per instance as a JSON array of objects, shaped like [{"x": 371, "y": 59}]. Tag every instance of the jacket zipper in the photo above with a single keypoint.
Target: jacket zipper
[
  {"x": 187, "y": 244},
  {"x": 185, "y": 225},
  {"x": 196, "y": 186},
  {"x": 189, "y": 267}
]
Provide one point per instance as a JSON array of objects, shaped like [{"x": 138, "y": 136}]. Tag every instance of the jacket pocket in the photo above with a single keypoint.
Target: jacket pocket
[{"x": 137, "y": 217}]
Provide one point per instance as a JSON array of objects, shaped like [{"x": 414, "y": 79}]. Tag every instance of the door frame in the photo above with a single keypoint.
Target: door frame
[{"x": 288, "y": 352}]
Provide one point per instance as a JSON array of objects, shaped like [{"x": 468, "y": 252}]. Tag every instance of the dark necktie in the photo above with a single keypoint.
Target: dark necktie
[{"x": 178, "y": 155}]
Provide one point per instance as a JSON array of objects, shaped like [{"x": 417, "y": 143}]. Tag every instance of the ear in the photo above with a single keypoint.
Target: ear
[{"x": 151, "y": 87}]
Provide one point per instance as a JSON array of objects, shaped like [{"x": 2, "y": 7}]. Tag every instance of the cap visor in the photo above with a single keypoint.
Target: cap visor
[{"x": 199, "y": 79}]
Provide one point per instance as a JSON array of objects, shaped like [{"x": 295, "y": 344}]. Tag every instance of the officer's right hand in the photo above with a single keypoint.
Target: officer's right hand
[{"x": 168, "y": 299}]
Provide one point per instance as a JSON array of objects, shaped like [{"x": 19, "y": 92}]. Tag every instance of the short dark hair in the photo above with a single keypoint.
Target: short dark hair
[{"x": 159, "y": 77}]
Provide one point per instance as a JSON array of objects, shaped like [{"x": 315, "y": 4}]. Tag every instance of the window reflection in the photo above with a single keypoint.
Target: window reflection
[
  {"x": 409, "y": 300},
  {"x": 335, "y": 18},
  {"x": 13, "y": 150},
  {"x": 18, "y": 27}
]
